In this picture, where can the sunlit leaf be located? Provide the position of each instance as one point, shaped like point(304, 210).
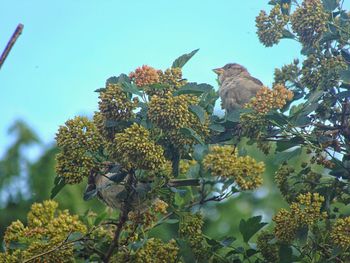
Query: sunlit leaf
point(182, 60)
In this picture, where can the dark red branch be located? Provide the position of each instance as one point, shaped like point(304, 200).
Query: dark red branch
point(10, 44)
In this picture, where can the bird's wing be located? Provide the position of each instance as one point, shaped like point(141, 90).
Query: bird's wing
point(256, 81)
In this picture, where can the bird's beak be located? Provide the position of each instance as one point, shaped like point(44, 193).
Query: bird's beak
point(218, 71)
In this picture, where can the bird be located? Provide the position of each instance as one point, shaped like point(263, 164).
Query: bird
point(110, 188)
point(236, 86)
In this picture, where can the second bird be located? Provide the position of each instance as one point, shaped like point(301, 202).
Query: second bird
point(237, 86)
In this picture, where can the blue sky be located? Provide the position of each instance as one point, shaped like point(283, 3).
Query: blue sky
point(70, 47)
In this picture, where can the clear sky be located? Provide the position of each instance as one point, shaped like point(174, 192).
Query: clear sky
point(70, 47)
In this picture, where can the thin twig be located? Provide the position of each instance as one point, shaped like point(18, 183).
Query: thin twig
point(10, 44)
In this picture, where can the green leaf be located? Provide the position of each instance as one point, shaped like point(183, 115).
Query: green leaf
point(330, 5)
point(285, 156)
point(120, 79)
point(74, 236)
point(217, 127)
point(194, 88)
point(171, 221)
point(59, 183)
point(287, 34)
point(285, 253)
point(346, 55)
point(250, 252)
point(131, 88)
point(17, 245)
point(100, 90)
point(181, 192)
point(284, 145)
point(100, 218)
point(199, 151)
point(234, 116)
point(182, 60)
point(279, 118)
point(250, 227)
point(188, 132)
point(343, 95)
point(199, 112)
point(345, 75)
point(227, 241)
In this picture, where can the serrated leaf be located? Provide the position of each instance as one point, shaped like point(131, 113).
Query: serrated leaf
point(131, 88)
point(199, 112)
point(285, 156)
point(250, 227)
point(59, 184)
point(182, 60)
point(188, 132)
point(194, 88)
point(120, 79)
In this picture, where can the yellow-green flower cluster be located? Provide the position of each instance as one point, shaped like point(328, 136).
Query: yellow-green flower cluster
point(288, 72)
point(191, 228)
point(223, 161)
point(270, 27)
point(185, 165)
point(77, 139)
point(309, 22)
point(47, 228)
point(115, 105)
point(321, 71)
point(172, 77)
point(144, 76)
point(134, 149)
point(160, 206)
point(341, 232)
point(156, 251)
point(171, 112)
point(268, 251)
point(281, 179)
point(253, 124)
point(266, 99)
point(306, 211)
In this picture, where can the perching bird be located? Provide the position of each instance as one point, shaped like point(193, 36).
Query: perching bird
point(237, 86)
point(111, 190)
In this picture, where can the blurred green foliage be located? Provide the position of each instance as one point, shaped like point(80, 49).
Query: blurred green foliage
point(37, 176)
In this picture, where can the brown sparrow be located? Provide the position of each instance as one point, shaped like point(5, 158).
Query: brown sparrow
point(111, 190)
point(237, 86)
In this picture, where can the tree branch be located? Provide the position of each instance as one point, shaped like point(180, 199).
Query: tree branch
point(10, 44)
point(126, 207)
